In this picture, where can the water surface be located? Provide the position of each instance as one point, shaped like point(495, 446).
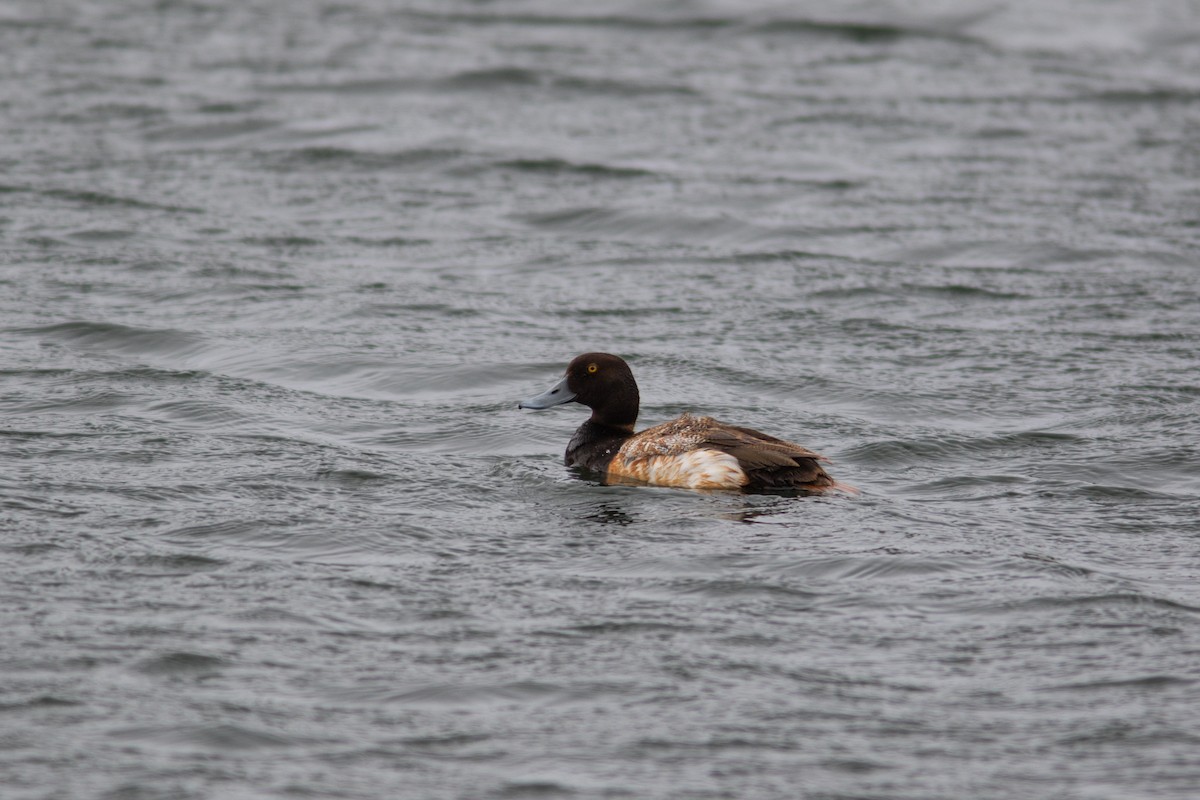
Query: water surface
point(276, 274)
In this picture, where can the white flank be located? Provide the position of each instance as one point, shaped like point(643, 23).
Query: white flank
point(697, 469)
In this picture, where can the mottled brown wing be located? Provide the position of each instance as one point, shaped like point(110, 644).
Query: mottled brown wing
point(679, 436)
point(756, 449)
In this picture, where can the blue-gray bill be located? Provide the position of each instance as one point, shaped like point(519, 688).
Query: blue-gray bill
point(555, 396)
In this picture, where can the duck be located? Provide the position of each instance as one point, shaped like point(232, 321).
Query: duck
point(692, 452)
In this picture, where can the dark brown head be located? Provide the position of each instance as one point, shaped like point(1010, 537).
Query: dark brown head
point(602, 382)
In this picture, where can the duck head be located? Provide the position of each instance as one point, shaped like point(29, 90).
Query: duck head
point(602, 382)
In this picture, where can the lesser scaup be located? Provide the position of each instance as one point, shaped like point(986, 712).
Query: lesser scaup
point(689, 452)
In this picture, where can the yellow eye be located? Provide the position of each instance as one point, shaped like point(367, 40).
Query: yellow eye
point(592, 368)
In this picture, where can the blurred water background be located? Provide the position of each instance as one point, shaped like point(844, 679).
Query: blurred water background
point(275, 274)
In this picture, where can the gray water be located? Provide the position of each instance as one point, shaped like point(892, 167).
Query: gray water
point(275, 275)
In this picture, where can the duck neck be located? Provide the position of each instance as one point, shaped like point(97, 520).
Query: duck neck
point(595, 443)
point(623, 423)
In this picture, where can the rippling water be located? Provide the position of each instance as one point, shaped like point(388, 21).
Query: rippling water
point(275, 275)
